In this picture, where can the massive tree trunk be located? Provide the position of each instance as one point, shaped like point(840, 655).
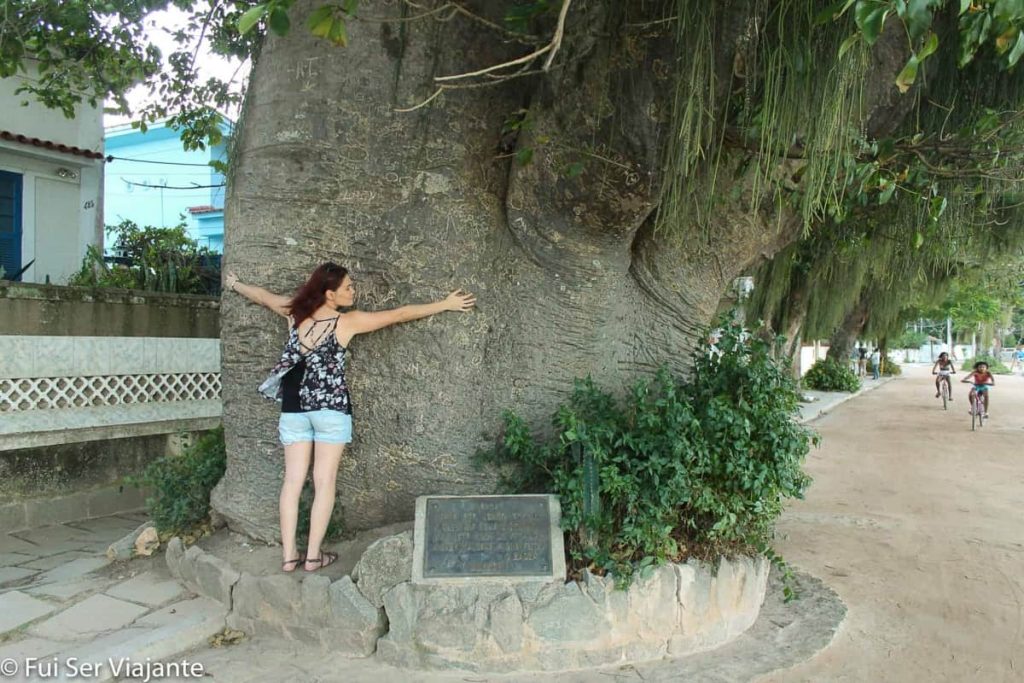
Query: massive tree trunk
point(841, 344)
point(571, 277)
point(796, 315)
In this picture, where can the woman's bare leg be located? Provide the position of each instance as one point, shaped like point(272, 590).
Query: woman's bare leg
point(296, 465)
point(325, 473)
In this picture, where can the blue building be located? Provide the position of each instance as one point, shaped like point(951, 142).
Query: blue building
point(152, 180)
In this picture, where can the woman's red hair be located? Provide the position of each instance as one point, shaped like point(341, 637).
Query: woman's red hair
point(312, 295)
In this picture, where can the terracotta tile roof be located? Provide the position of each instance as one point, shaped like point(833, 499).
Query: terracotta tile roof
point(50, 145)
point(206, 208)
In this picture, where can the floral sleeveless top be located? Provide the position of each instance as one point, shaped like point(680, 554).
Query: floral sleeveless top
point(323, 383)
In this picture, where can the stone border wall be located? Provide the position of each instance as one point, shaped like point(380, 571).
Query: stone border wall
point(31, 309)
point(679, 609)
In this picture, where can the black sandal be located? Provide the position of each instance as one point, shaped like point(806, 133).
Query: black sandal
point(326, 559)
point(293, 563)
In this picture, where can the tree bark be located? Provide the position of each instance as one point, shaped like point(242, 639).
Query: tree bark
point(571, 277)
point(795, 315)
point(842, 341)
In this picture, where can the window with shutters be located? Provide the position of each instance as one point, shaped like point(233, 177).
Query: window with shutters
point(10, 222)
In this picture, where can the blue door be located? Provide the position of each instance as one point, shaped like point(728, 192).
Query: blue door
point(10, 223)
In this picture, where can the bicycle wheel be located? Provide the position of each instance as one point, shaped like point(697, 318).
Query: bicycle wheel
point(975, 416)
point(945, 395)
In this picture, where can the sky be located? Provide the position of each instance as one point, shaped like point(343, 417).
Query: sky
point(159, 29)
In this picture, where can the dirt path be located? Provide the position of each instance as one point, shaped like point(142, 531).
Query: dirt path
point(918, 524)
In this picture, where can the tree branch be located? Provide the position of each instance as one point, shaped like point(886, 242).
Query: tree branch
point(552, 48)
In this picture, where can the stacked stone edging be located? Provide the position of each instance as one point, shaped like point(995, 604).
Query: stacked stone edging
point(678, 609)
point(314, 610)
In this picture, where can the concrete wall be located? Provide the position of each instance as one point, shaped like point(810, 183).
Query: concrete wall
point(808, 357)
point(27, 309)
point(61, 201)
point(94, 384)
point(40, 486)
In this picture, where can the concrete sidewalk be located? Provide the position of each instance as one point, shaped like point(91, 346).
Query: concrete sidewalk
point(61, 597)
point(824, 401)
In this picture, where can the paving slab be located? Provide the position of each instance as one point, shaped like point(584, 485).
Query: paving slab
point(13, 544)
point(138, 516)
point(13, 574)
point(52, 561)
point(114, 524)
point(195, 622)
point(74, 569)
point(18, 609)
point(183, 610)
point(48, 536)
point(12, 559)
point(88, 618)
point(66, 590)
point(19, 650)
point(147, 588)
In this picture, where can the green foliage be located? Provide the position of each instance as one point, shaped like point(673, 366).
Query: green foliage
point(995, 26)
point(520, 15)
point(182, 484)
point(995, 366)
point(159, 260)
point(83, 51)
point(910, 340)
point(890, 368)
point(971, 306)
point(829, 375)
point(691, 467)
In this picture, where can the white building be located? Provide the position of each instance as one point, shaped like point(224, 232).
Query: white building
point(51, 180)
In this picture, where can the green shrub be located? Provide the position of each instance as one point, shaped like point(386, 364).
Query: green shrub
point(158, 260)
point(995, 366)
point(828, 375)
point(890, 368)
point(910, 340)
point(182, 484)
point(694, 467)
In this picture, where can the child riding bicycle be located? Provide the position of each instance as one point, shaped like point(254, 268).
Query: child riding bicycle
point(943, 368)
point(982, 379)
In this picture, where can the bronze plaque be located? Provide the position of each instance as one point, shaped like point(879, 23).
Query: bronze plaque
point(485, 536)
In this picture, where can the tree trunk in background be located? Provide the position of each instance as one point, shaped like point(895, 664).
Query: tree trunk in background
point(570, 275)
point(841, 343)
point(796, 314)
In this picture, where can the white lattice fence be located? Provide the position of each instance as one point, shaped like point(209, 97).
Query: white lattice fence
point(68, 389)
point(52, 393)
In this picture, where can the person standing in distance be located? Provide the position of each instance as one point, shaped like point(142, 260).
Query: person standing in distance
point(309, 381)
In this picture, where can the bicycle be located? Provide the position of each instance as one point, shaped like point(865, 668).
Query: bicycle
point(978, 414)
point(945, 389)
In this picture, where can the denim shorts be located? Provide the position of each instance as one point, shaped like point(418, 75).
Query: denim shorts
point(321, 426)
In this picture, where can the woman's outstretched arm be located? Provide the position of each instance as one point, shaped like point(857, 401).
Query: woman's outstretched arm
point(361, 322)
point(275, 302)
